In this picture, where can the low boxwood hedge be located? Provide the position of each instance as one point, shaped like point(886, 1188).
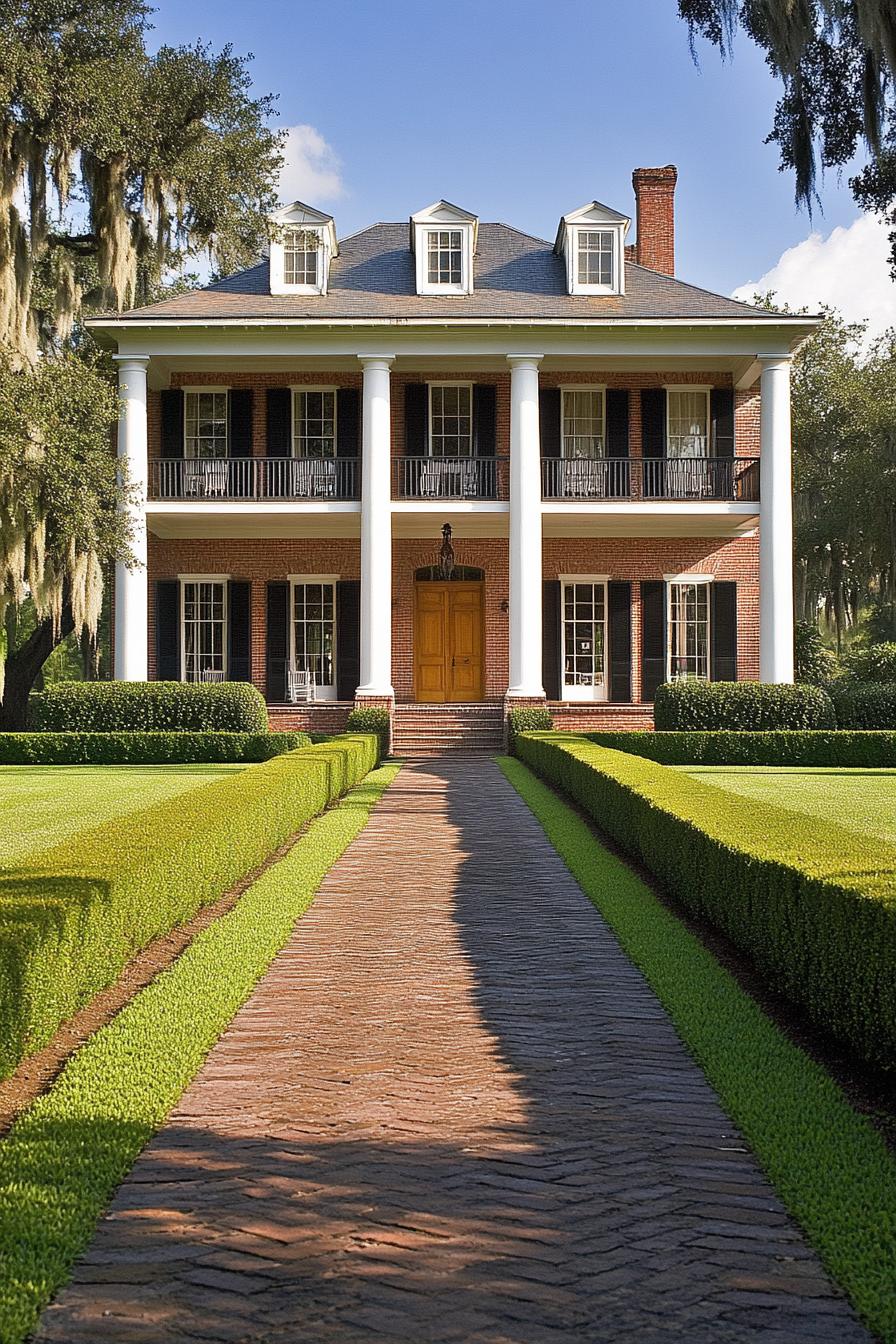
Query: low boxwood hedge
point(173, 748)
point(528, 719)
point(856, 750)
point(148, 706)
point(73, 918)
point(813, 905)
point(750, 706)
point(373, 719)
point(866, 705)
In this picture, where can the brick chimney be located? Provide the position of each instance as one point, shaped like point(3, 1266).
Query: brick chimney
point(655, 217)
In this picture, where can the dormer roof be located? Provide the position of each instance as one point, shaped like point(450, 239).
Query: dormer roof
point(306, 217)
point(591, 214)
point(442, 212)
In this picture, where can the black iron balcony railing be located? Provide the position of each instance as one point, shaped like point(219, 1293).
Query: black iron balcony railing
point(445, 478)
point(731, 479)
point(228, 478)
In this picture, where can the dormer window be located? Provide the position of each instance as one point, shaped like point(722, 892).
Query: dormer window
point(591, 241)
point(303, 242)
point(443, 239)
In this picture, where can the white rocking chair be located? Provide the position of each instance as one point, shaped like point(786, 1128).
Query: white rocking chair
point(207, 674)
point(299, 685)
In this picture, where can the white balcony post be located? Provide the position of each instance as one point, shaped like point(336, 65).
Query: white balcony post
point(525, 529)
point(376, 529)
point(775, 523)
point(131, 583)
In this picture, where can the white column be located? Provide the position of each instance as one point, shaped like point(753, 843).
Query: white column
point(525, 529)
point(775, 523)
point(131, 606)
point(376, 529)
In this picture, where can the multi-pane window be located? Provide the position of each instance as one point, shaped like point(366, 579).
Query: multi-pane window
point(204, 640)
point(300, 257)
point(205, 424)
point(688, 631)
point(450, 419)
point(688, 413)
point(445, 258)
point(314, 422)
point(314, 630)
point(583, 422)
point(595, 257)
point(584, 633)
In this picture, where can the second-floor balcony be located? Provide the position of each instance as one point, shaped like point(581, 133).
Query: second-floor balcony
point(448, 478)
point(731, 479)
point(254, 478)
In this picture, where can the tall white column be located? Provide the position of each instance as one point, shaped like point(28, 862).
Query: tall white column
point(775, 523)
point(525, 529)
point(131, 583)
point(376, 529)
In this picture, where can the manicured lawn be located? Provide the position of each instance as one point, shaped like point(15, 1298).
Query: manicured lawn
point(43, 804)
point(861, 800)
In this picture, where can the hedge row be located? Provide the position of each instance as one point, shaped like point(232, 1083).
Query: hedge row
point(747, 706)
point(812, 905)
point(73, 918)
point(869, 705)
point(172, 748)
point(373, 719)
point(148, 706)
point(848, 749)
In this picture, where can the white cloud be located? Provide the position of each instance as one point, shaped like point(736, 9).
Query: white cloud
point(311, 170)
point(848, 270)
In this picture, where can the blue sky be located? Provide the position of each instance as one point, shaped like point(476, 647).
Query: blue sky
point(521, 111)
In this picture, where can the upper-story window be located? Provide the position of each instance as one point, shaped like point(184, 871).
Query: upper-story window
point(687, 411)
point(314, 422)
point(582, 422)
point(591, 241)
point(205, 423)
point(303, 243)
point(450, 419)
point(596, 256)
point(443, 239)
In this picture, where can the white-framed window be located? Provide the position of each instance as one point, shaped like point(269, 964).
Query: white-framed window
point(596, 258)
point(314, 422)
point(203, 606)
point(205, 422)
point(688, 625)
point(444, 257)
point(312, 638)
point(443, 238)
point(582, 422)
point(583, 615)
point(451, 419)
point(687, 422)
point(301, 257)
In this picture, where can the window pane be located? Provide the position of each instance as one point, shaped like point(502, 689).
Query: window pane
point(314, 421)
point(689, 631)
point(300, 253)
point(584, 625)
point(445, 257)
point(583, 422)
point(688, 423)
point(205, 424)
point(595, 257)
point(451, 421)
point(314, 630)
point(204, 605)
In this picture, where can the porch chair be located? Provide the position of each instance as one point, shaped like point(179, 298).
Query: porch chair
point(207, 674)
point(299, 685)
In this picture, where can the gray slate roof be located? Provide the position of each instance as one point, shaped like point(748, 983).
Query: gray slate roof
point(515, 276)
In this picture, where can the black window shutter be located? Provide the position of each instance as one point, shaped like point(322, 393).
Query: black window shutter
point(653, 421)
point(485, 419)
point(240, 422)
point(549, 421)
point(277, 650)
point(723, 623)
point(168, 630)
point(172, 422)
point(239, 631)
point(619, 603)
point(653, 637)
point(721, 414)
point(279, 422)
point(348, 638)
point(416, 416)
point(550, 638)
point(617, 422)
point(348, 422)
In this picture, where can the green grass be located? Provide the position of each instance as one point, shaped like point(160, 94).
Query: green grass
point(828, 1164)
point(43, 804)
point(63, 1159)
point(861, 800)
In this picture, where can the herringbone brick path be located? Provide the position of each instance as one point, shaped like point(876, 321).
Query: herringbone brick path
point(453, 1111)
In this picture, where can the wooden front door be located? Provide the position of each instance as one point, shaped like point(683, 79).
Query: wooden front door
point(448, 642)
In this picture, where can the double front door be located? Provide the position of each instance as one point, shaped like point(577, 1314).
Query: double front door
point(448, 642)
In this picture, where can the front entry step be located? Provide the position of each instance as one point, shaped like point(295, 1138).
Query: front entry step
point(431, 730)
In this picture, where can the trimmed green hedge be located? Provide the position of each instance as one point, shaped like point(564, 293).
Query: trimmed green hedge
point(866, 705)
point(174, 748)
point(877, 663)
point(528, 719)
point(813, 905)
point(836, 748)
point(373, 719)
point(750, 706)
point(148, 706)
point(73, 918)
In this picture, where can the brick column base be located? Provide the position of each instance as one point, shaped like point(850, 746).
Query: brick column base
point(386, 702)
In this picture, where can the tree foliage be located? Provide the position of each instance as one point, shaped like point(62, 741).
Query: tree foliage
point(837, 62)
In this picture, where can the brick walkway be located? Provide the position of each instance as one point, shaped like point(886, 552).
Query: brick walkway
point(452, 1111)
